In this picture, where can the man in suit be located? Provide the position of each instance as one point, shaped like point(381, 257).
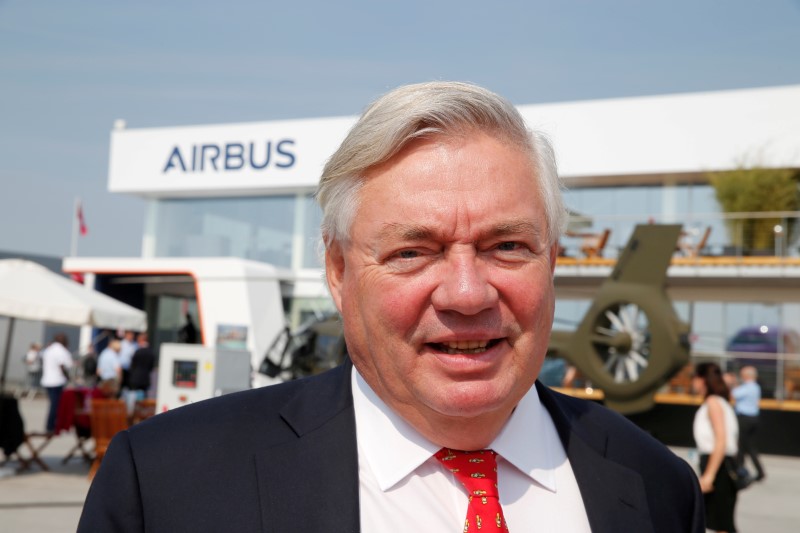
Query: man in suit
point(441, 215)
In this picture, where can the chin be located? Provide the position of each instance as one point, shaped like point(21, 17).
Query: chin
point(469, 401)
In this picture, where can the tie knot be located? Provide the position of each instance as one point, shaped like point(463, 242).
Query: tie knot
point(477, 470)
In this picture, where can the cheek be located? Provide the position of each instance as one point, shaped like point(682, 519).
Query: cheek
point(396, 303)
point(528, 299)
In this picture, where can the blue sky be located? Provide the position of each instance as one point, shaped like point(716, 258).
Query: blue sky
point(69, 69)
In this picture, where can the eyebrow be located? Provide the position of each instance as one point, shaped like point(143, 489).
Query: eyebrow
point(415, 232)
point(406, 232)
point(516, 227)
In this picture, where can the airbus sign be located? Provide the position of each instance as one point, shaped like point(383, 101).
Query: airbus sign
point(226, 160)
point(232, 156)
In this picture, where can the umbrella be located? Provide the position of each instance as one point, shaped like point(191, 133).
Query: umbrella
point(30, 291)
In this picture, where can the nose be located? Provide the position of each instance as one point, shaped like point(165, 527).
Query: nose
point(464, 286)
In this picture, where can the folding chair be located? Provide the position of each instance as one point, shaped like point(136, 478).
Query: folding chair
point(108, 417)
point(33, 451)
point(692, 249)
point(593, 245)
point(13, 437)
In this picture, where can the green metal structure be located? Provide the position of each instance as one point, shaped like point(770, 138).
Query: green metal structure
point(631, 341)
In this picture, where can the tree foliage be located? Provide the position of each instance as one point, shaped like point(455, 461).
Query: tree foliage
point(757, 190)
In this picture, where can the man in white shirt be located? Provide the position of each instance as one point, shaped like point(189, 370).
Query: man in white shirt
point(56, 362)
point(441, 216)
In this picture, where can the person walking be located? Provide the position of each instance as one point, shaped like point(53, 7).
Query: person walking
point(33, 364)
point(748, 396)
point(56, 362)
point(716, 437)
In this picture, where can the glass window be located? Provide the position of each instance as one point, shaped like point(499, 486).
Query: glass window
point(619, 209)
point(258, 228)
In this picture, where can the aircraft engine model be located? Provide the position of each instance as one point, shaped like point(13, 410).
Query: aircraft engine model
point(631, 341)
point(628, 344)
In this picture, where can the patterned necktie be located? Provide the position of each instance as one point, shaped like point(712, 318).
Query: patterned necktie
point(477, 471)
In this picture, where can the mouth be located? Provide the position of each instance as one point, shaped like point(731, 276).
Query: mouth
point(464, 347)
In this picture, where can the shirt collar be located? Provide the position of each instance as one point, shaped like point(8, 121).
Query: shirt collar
point(530, 442)
point(394, 449)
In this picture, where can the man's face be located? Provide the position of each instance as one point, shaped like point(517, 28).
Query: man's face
point(445, 287)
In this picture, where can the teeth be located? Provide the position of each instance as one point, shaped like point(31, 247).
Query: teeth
point(468, 347)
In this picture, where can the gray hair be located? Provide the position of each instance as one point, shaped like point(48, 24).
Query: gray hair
point(422, 110)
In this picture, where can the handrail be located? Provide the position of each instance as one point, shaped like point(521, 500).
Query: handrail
point(730, 260)
point(716, 234)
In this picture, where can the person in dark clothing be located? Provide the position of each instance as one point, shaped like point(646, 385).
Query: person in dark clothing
point(748, 396)
point(188, 333)
point(142, 363)
point(89, 366)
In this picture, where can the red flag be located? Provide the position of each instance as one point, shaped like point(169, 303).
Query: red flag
point(81, 221)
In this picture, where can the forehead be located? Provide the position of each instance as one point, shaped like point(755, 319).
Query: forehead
point(444, 160)
point(474, 179)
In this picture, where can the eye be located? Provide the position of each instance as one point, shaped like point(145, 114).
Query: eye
point(407, 254)
point(512, 251)
point(409, 259)
point(509, 246)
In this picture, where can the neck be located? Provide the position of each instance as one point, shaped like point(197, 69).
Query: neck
point(459, 433)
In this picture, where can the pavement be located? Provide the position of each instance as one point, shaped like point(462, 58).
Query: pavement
point(51, 502)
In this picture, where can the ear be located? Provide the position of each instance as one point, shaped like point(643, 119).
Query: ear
point(334, 272)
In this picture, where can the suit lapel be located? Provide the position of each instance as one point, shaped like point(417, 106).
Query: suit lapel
point(613, 495)
point(309, 482)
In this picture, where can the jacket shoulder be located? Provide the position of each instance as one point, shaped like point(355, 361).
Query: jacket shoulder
point(670, 485)
point(618, 437)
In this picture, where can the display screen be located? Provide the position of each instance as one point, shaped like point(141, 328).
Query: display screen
point(184, 374)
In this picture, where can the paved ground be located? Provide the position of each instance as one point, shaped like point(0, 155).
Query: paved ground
point(42, 502)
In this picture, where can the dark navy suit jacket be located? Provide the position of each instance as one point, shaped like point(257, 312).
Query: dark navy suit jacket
point(283, 459)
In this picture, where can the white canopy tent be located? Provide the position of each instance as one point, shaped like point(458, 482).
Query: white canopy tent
point(30, 291)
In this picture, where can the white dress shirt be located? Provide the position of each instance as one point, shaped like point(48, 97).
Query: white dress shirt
point(403, 488)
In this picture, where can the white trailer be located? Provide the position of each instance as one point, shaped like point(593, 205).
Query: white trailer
point(237, 303)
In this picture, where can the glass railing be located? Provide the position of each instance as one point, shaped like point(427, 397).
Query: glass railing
point(767, 234)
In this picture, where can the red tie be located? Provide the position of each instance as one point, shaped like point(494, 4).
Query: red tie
point(477, 471)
